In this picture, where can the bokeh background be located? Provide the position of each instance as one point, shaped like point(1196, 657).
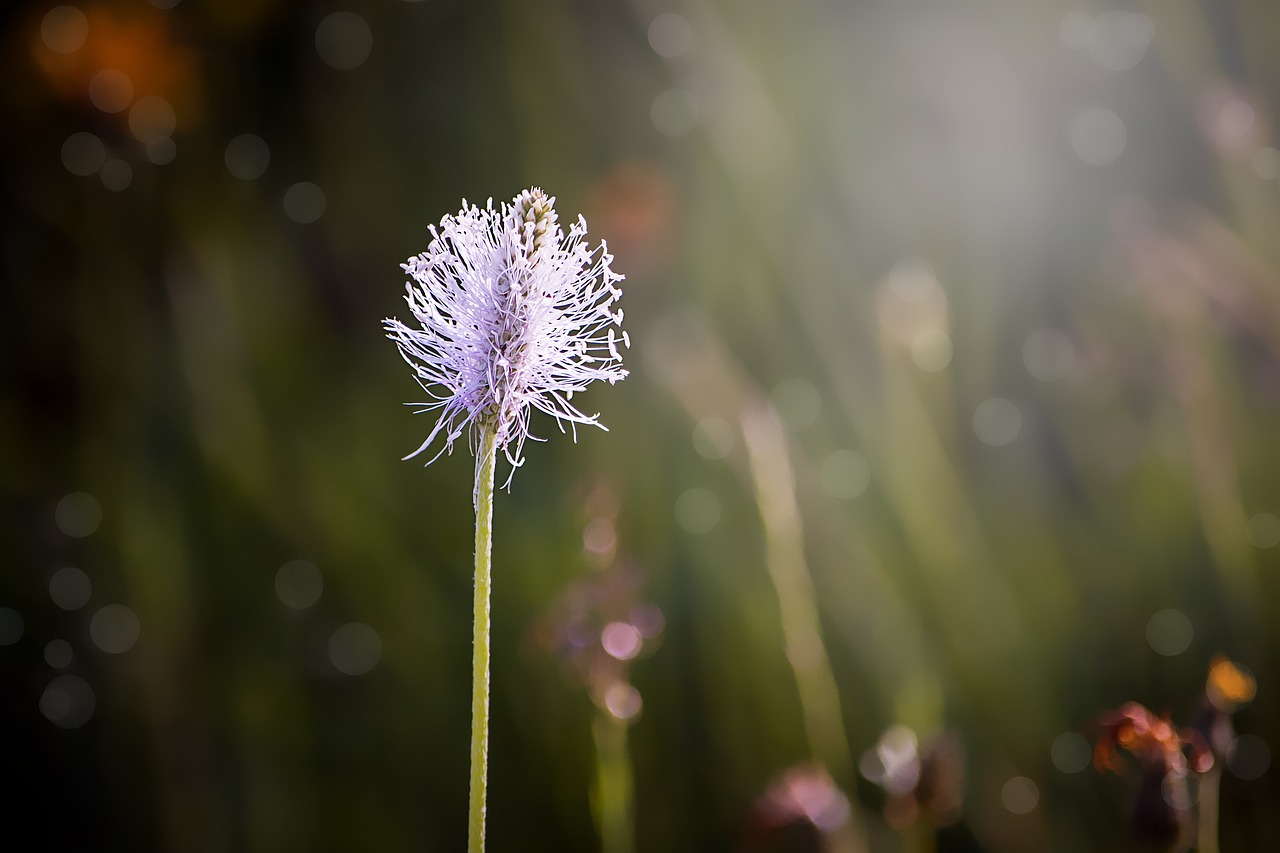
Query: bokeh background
point(953, 422)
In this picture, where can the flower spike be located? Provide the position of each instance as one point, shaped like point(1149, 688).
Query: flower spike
point(512, 314)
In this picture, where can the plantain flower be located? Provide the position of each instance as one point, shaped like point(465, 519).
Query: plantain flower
point(512, 314)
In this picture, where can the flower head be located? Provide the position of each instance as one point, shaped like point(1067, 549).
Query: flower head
point(1161, 812)
point(1229, 687)
point(1152, 739)
point(512, 314)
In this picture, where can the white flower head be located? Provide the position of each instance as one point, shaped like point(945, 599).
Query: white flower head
point(512, 314)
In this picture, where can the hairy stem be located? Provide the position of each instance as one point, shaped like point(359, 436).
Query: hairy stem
point(480, 651)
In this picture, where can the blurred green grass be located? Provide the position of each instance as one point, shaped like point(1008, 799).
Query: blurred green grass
point(839, 193)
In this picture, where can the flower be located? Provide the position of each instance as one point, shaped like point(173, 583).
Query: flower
point(802, 810)
point(514, 314)
point(1229, 687)
point(924, 782)
point(1152, 739)
point(1161, 812)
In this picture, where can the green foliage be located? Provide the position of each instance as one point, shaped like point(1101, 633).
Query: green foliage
point(885, 201)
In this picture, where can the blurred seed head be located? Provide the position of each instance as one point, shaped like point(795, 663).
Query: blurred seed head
point(1168, 761)
point(923, 783)
point(797, 812)
point(1152, 740)
point(599, 624)
point(1229, 686)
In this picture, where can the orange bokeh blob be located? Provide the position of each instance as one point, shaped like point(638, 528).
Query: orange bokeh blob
point(137, 42)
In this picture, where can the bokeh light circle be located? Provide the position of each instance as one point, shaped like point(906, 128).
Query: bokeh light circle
point(58, 654)
point(111, 90)
point(344, 41)
point(116, 175)
point(162, 152)
point(1263, 530)
point(845, 474)
point(355, 648)
point(299, 584)
point(1120, 39)
point(1266, 163)
point(114, 629)
point(70, 588)
point(11, 626)
point(797, 402)
point(648, 620)
point(152, 119)
point(1176, 792)
point(64, 29)
point(1169, 632)
point(621, 640)
point(1236, 117)
point(247, 156)
point(1077, 30)
point(622, 700)
point(83, 154)
point(674, 112)
point(68, 701)
point(1231, 685)
point(670, 35)
point(1098, 136)
point(1020, 795)
point(997, 422)
point(913, 280)
point(78, 514)
point(1048, 354)
point(599, 536)
point(304, 202)
point(1248, 757)
point(697, 510)
point(1070, 752)
point(894, 763)
point(713, 438)
point(931, 350)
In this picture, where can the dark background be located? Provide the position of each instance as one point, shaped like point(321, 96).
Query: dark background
point(1007, 273)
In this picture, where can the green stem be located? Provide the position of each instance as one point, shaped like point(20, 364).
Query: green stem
point(1207, 828)
point(613, 784)
point(480, 651)
point(922, 838)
